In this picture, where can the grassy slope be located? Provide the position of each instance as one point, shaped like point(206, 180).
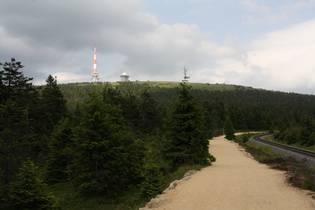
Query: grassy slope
point(312, 148)
point(69, 199)
point(164, 84)
point(75, 92)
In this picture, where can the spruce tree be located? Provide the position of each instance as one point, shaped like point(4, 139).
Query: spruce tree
point(18, 105)
point(53, 103)
point(101, 149)
point(14, 85)
point(60, 154)
point(229, 129)
point(150, 121)
point(14, 146)
point(186, 142)
point(28, 191)
point(152, 172)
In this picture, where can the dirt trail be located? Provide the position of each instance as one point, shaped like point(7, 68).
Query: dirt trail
point(234, 181)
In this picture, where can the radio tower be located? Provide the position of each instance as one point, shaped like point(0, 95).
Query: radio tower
point(95, 77)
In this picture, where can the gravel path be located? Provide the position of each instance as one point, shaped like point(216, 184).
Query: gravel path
point(234, 181)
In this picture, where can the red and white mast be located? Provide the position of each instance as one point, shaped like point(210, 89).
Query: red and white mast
point(95, 70)
point(95, 77)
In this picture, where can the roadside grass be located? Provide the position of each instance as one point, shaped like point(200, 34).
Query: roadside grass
point(69, 199)
point(178, 174)
point(312, 148)
point(298, 174)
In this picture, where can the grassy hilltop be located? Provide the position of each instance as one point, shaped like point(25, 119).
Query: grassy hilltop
point(76, 92)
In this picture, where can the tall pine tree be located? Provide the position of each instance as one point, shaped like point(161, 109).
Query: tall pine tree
point(17, 134)
point(53, 103)
point(101, 149)
point(229, 129)
point(150, 121)
point(60, 154)
point(14, 85)
point(28, 191)
point(185, 132)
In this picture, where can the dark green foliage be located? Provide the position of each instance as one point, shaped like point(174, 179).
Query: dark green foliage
point(311, 140)
point(113, 138)
point(53, 104)
point(154, 165)
point(306, 131)
point(14, 84)
point(28, 191)
point(229, 129)
point(291, 137)
point(130, 111)
point(13, 141)
point(152, 184)
point(304, 134)
point(21, 136)
point(150, 121)
point(135, 163)
point(112, 96)
point(101, 149)
point(60, 152)
point(128, 105)
point(245, 137)
point(186, 142)
point(238, 116)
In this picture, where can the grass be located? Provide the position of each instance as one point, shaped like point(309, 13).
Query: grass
point(311, 148)
point(69, 199)
point(167, 84)
point(178, 174)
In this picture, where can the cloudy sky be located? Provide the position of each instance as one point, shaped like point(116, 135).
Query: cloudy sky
point(259, 43)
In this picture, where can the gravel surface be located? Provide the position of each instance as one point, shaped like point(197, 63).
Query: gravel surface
point(234, 181)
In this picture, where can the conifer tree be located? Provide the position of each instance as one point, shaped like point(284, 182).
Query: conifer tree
point(53, 103)
point(17, 107)
point(185, 132)
point(14, 146)
point(101, 149)
point(60, 154)
point(28, 191)
point(229, 129)
point(149, 114)
point(152, 172)
point(14, 85)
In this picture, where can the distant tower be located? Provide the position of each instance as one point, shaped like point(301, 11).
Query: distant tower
point(95, 77)
point(185, 75)
point(124, 77)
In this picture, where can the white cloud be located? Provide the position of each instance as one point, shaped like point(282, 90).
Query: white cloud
point(249, 4)
point(280, 11)
point(285, 58)
point(57, 38)
point(65, 77)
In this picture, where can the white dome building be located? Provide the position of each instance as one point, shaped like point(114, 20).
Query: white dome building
point(124, 77)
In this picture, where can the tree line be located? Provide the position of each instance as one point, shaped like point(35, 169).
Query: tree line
point(102, 138)
point(111, 139)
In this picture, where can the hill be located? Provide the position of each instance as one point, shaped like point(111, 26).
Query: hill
point(248, 108)
point(94, 139)
point(75, 92)
point(275, 104)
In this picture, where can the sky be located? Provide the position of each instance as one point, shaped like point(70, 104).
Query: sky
point(264, 44)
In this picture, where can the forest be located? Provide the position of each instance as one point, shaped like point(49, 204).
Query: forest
point(105, 140)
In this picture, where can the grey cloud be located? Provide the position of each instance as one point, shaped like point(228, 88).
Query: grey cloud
point(58, 36)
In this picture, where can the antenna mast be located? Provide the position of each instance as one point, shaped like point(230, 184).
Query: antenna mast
point(95, 77)
point(185, 75)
